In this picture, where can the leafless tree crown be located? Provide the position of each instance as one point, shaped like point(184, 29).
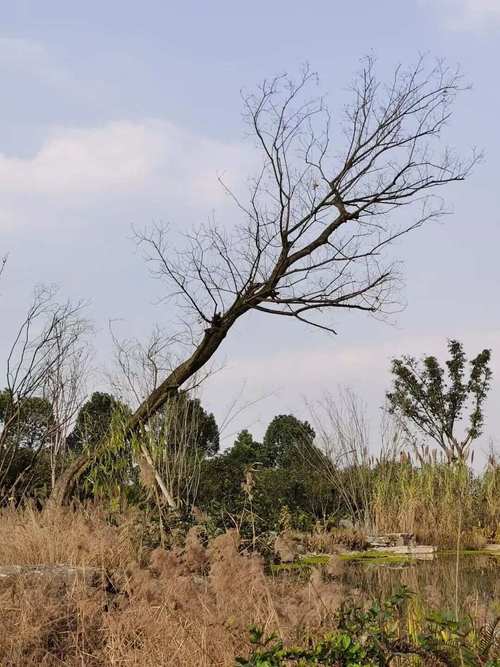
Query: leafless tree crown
point(48, 360)
point(322, 208)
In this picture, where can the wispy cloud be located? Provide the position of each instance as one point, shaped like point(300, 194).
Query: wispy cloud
point(151, 159)
point(467, 14)
point(28, 58)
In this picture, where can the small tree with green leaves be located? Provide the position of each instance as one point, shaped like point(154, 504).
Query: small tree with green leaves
point(443, 404)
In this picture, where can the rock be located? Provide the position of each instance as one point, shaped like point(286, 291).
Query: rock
point(411, 550)
point(391, 540)
point(494, 548)
point(58, 573)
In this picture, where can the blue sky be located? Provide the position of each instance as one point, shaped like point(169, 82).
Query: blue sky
point(122, 113)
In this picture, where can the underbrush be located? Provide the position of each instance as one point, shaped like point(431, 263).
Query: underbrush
point(378, 637)
point(183, 606)
point(85, 538)
point(440, 504)
point(191, 604)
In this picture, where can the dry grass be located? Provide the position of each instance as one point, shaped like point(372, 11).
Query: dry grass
point(81, 538)
point(189, 606)
point(440, 504)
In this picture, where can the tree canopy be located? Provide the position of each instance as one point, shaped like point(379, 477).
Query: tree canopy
point(94, 420)
point(286, 439)
point(431, 400)
point(28, 422)
point(245, 450)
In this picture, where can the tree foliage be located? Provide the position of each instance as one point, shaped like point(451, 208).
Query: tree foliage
point(26, 427)
point(245, 450)
point(94, 420)
point(432, 400)
point(286, 438)
point(201, 426)
point(31, 420)
point(281, 477)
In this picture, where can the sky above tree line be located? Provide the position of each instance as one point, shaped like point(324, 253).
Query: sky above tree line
point(118, 114)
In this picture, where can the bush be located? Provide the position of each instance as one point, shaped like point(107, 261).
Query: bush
point(376, 636)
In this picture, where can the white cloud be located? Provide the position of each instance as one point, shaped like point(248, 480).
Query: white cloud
point(468, 14)
point(82, 161)
point(151, 157)
point(121, 157)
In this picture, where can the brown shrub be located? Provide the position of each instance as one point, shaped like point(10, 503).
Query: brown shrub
point(189, 606)
point(59, 535)
point(329, 541)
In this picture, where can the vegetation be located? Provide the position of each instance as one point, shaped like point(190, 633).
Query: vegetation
point(286, 482)
point(423, 400)
point(193, 603)
point(375, 637)
point(181, 547)
point(416, 499)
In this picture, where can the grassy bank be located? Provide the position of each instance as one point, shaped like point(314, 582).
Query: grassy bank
point(191, 604)
point(440, 504)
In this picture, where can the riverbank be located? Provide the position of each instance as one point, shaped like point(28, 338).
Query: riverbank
point(192, 604)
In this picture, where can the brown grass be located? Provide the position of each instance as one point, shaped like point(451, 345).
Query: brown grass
point(440, 504)
point(189, 606)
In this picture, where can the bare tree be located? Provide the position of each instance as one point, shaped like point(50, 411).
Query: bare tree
point(342, 453)
point(342, 429)
point(3, 262)
point(139, 367)
point(321, 212)
point(45, 343)
point(64, 384)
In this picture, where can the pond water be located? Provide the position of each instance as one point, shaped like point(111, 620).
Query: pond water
point(469, 584)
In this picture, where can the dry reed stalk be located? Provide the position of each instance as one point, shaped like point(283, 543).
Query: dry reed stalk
point(187, 606)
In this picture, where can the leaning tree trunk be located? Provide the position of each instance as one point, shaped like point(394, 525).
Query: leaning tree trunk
point(65, 485)
point(213, 337)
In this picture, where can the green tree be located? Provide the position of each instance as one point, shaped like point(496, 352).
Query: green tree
point(94, 420)
point(432, 400)
point(203, 429)
point(286, 439)
point(245, 450)
point(28, 422)
point(26, 426)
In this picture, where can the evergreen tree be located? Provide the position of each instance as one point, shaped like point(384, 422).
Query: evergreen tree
point(94, 420)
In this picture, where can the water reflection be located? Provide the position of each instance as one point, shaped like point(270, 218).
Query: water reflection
point(469, 584)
